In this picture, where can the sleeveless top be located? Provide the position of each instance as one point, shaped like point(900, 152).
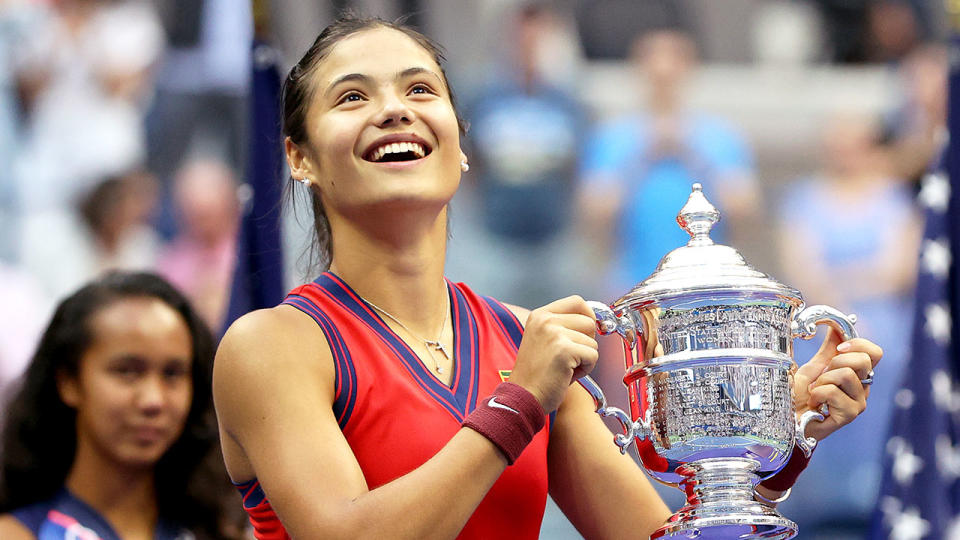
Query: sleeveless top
point(396, 414)
point(65, 517)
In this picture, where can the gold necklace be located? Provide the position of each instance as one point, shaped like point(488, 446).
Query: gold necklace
point(435, 344)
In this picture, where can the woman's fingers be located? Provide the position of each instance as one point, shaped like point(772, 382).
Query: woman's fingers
point(587, 356)
point(846, 380)
point(571, 304)
point(577, 322)
point(859, 362)
point(871, 349)
point(843, 410)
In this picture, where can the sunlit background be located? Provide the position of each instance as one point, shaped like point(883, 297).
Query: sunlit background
point(123, 144)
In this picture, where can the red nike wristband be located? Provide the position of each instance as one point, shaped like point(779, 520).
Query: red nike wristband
point(787, 476)
point(509, 418)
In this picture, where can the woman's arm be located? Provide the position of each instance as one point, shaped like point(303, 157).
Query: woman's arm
point(602, 492)
point(12, 529)
point(273, 390)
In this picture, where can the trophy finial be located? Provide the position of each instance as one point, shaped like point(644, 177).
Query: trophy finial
point(697, 217)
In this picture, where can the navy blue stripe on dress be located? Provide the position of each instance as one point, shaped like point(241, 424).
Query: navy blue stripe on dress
point(345, 376)
point(341, 293)
point(467, 345)
point(251, 492)
point(506, 320)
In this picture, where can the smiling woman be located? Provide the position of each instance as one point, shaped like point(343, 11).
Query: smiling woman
point(111, 429)
point(382, 400)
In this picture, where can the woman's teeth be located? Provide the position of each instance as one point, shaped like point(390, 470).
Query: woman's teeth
point(398, 148)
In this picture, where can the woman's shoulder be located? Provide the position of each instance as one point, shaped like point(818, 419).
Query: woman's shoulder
point(12, 528)
point(521, 313)
point(282, 325)
point(262, 344)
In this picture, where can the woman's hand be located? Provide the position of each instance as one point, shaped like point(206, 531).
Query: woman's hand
point(833, 377)
point(558, 347)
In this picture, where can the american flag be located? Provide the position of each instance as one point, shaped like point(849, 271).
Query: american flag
point(920, 492)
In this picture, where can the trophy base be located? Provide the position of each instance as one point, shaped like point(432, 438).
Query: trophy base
point(720, 504)
point(727, 526)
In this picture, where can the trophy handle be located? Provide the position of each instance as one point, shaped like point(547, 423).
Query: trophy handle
point(630, 428)
point(804, 326)
point(607, 323)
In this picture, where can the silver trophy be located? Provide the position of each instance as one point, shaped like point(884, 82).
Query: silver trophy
point(708, 342)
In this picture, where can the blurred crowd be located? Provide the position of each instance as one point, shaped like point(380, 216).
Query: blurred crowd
point(122, 134)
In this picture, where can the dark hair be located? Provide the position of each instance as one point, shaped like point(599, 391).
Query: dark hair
point(298, 89)
point(39, 436)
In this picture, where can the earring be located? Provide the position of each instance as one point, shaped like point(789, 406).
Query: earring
point(304, 181)
point(464, 166)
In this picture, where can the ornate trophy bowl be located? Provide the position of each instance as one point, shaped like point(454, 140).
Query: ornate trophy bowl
point(708, 345)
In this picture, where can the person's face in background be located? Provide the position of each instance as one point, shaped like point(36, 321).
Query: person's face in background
point(926, 74)
point(206, 199)
point(118, 206)
point(530, 29)
point(850, 145)
point(664, 58)
point(133, 386)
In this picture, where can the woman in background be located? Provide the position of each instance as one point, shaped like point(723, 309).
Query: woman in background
point(111, 434)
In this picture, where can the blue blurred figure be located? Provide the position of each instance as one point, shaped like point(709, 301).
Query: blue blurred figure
point(849, 238)
point(525, 135)
point(638, 169)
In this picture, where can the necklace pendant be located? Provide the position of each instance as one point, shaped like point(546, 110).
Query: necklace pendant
point(437, 346)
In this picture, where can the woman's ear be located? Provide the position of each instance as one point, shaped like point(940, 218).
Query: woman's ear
point(69, 388)
point(301, 167)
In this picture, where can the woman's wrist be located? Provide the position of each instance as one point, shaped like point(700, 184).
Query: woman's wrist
point(786, 477)
point(510, 417)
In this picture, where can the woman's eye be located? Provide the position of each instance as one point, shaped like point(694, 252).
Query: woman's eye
point(421, 89)
point(127, 370)
point(174, 372)
point(352, 96)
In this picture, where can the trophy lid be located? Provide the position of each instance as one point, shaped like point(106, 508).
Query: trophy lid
point(701, 265)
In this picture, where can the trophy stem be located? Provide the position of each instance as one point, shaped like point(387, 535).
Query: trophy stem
point(720, 504)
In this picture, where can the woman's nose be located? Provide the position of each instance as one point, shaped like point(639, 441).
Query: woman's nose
point(151, 395)
point(395, 111)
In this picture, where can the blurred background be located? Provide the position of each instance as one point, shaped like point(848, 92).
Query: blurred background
point(124, 144)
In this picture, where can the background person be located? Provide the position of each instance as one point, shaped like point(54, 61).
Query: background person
point(637, 169)
point(200, 259)
point(853, 219)
point(111, 430)
point(526, 132)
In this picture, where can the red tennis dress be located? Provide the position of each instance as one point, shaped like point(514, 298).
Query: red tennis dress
point(396, 414)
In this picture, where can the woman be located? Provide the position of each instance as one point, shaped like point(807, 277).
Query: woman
point(111, 435)
point(355, 408)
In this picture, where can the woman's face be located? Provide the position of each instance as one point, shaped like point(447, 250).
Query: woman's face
point(133, 387)
point(381, 125)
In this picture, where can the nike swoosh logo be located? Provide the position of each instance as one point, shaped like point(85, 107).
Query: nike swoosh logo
point(493, 403)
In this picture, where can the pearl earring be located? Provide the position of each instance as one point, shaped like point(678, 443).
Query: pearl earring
point(304, 181)
point(464, 166)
